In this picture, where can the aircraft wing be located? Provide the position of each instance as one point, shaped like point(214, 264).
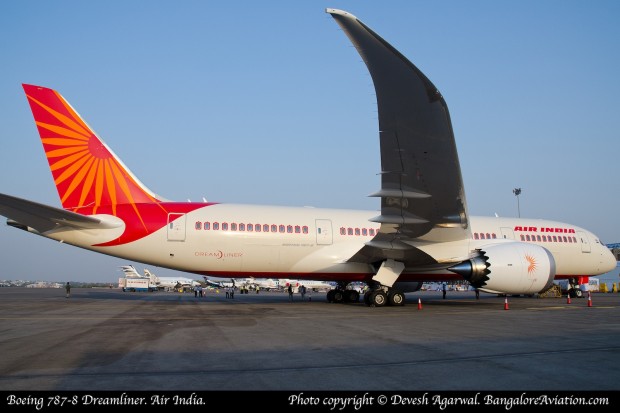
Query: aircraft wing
point(422, 195)
point(43, 218)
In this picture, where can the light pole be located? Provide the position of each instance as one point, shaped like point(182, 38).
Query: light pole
point(517, 192)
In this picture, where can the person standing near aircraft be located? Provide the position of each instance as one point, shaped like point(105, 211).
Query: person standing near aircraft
point(302, 291)
point(443, 288)
point(68, 289)
point(290, 292)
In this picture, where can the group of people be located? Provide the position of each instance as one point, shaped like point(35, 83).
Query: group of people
point(198, 291)
point(444, 289)
point(302, 292)
point(230, 292)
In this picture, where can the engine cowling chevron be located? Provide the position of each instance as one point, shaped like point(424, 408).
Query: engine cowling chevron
point(510, 268)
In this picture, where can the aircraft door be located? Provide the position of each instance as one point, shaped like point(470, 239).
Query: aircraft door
point(176, 227)
point(507, 233)
point(324, 232)
point(583, 239)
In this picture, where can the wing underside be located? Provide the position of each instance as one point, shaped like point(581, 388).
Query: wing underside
point(422, 195)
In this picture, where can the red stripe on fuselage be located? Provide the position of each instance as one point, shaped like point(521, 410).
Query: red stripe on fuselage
point(154, 217)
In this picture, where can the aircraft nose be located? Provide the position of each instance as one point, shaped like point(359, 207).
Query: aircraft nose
point(608, 261)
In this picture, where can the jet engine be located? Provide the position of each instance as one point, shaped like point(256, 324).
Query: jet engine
point(509, 268)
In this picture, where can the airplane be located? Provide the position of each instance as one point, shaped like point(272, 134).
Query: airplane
point(313, 285)
point(268, 284)
point(130, 272)
point(170, 282)
point(423, 232)
point(219, 282)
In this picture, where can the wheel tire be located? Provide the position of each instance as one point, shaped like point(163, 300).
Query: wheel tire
point(378, 299)
point(338, 296)
point(330, 296)
point(396, 298)
point(351, 296)
point(578, 293)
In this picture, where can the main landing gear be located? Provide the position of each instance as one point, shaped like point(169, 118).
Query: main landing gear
point(375, 297)
point(341, 295)
point(380, 297)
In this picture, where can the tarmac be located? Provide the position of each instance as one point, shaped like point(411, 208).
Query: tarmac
point(106, 339)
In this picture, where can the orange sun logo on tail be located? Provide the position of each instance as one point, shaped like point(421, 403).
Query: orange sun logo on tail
point(88, 176)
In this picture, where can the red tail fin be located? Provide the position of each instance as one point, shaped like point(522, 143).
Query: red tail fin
point(86, 172)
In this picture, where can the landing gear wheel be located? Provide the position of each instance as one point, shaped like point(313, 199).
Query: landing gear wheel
point(578, 293)
point(396, 298)
point(338, 296)
point(330, 296)
point(378, 298)
point(351, 296)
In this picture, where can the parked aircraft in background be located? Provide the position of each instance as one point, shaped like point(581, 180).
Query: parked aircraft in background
point(423, 232)
point(217, 282)
point(251, 282)
point(130, 272)
point(309, 284)
point(171, 282)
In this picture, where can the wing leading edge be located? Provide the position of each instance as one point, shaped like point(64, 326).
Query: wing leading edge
point(422, 194)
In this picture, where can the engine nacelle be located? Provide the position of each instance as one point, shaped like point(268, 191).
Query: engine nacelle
point(509, 268)
point(407, 286)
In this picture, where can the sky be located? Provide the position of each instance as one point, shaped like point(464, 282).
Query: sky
point(268, 103)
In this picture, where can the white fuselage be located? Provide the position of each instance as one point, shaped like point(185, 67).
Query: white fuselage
point(229, 240)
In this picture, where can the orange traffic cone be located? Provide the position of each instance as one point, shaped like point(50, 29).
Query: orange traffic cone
point(506, 303)
point(419, 303)
point(589, 299)
point(568, 298)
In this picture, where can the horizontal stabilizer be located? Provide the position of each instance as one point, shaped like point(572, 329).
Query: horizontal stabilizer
point(43, 218)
